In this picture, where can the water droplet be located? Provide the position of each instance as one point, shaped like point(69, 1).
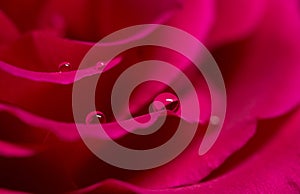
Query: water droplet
point(95, 117)
point(64, 67)
point(167, 100)
point(214, 120)
point(100, 65)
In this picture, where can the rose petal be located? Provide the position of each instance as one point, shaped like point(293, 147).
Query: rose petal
point(269, 158)
point(268, 163)
point(195, 17)
point(235, 20)
point(25, 16)
point(265, 85)
point(110, 186)
point(10, 33)
point(42, 51)
point(11, 150)
point(6, 191)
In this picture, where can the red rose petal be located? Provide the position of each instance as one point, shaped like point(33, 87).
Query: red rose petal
point(10, 32)
point(235, 20)
point(266, 79)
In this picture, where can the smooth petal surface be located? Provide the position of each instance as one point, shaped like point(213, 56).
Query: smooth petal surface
point(256, 45)
point(235, 20)
point(265, 81)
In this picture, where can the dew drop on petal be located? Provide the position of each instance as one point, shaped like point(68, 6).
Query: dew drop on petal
point(64, 67)
point(100, 65)
point(214, 120)
point(95, 117)
point(168, 100)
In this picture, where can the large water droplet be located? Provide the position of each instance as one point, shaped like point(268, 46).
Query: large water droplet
point(64, 67)
point(167, 100)
point(95, 117)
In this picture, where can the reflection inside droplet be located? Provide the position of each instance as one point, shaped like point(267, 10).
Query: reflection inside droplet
point(100, 65)
point(64, 67)
point(167, 100)
point(95, 117)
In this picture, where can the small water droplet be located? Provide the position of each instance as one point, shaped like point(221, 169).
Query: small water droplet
point(214, 120)
point(167, 100)
point(95, 117)
point(100, 65)
point(64, 67)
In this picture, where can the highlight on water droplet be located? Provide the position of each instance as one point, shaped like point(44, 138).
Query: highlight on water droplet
point(100, 65)
point(64, 67)
point(95, 117)
point(167, 100)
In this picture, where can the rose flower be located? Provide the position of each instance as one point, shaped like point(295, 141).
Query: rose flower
point(255, 43)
